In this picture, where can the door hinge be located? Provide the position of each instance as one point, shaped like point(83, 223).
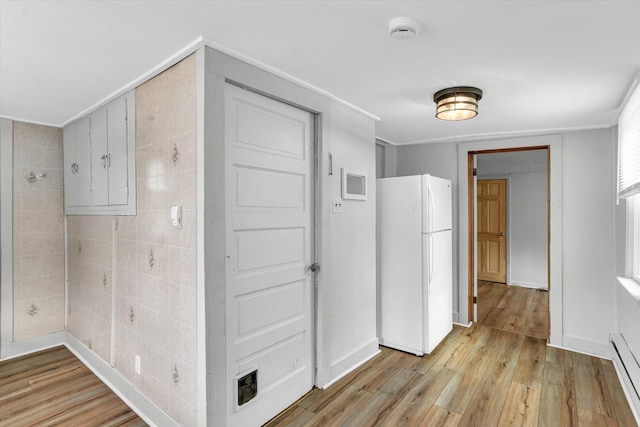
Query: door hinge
point(475, 171)
point(475, 300)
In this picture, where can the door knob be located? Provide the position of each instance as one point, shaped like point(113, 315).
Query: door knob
point(315, 267)
point(501, 234)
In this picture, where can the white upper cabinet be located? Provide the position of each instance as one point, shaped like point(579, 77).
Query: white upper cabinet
point(118, 149)
point(99, 156)
point(77, 164)
point(99, 152)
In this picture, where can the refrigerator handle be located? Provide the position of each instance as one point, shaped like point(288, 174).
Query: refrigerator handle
point(430, 249)
point(430, 210)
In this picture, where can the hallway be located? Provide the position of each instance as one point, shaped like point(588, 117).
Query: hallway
point(513, 309)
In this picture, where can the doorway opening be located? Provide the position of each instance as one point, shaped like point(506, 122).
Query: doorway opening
point(509, 239)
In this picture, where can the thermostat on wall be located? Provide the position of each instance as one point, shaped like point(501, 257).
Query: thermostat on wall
point(354, 184)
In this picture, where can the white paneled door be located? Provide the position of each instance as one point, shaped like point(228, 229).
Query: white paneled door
point(269, 246)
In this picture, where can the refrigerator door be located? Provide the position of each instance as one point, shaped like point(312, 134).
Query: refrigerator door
point(399, 245)
point(436, 204)
point(438, 279)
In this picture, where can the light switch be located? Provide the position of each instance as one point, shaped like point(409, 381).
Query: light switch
point(337, 205)
point(176, 216)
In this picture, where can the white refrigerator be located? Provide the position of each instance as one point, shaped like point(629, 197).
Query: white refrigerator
point(414, 257)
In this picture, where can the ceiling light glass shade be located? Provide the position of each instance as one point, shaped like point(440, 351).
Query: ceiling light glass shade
point(457, 103)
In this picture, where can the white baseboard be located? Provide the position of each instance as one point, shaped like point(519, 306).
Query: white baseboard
point(595, 349)
point(350, 362)
point(463, 325)
point(628, 372)
point(532, 285)
point(401, 348)
point(140, 404)
point(16, 349)
point(584, 346)
point(145, 408)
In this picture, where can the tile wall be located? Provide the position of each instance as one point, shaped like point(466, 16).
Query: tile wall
point(38, 231)
point(154, 264)
point(90, 263)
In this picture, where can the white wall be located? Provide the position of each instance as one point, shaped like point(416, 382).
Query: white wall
point(527, 221)
point(345, 243)
point(439, 159)
point(386, 159)
point(351, 308)
point(588, 239)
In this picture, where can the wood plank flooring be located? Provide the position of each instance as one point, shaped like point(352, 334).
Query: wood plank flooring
point(513, 309)
point(498, 373)
point(54, 388)
point(486, 375)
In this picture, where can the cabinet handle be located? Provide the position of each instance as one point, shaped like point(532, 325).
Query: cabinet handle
point(74, 168)
point(106, 160)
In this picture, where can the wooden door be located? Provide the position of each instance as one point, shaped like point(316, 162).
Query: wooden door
point(492, 230)
point(269, 162)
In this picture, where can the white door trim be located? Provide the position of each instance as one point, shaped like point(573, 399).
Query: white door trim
point(555, 222)
point(6, 229)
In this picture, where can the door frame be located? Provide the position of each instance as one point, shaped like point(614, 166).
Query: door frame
point(466, 151)
point(472, 213)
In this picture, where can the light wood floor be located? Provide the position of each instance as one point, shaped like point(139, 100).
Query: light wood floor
point(478, 377)
point(513, 309)
point(53, 388)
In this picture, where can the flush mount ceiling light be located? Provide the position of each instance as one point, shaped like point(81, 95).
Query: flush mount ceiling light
point(404, 27)
point(457, 103)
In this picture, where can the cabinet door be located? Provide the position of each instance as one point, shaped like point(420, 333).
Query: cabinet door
point(99, 158)
point(118, 146)
point(82, 186)
point(77, 164)
point(69, 152)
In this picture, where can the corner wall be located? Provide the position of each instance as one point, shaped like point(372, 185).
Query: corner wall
point(150, 265)
point(38, 232)
point(527, 225)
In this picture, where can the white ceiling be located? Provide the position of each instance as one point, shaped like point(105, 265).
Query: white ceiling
point(543, 65)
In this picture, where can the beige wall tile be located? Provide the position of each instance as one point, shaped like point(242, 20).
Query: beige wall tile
point(38, 231)
point(161, 294)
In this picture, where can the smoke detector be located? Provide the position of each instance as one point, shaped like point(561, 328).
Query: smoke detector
point(404, 27)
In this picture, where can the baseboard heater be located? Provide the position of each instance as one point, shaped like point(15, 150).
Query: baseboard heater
point(628, 367)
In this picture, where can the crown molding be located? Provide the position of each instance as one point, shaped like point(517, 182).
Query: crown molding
point(188, 50)
point(503, 135)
